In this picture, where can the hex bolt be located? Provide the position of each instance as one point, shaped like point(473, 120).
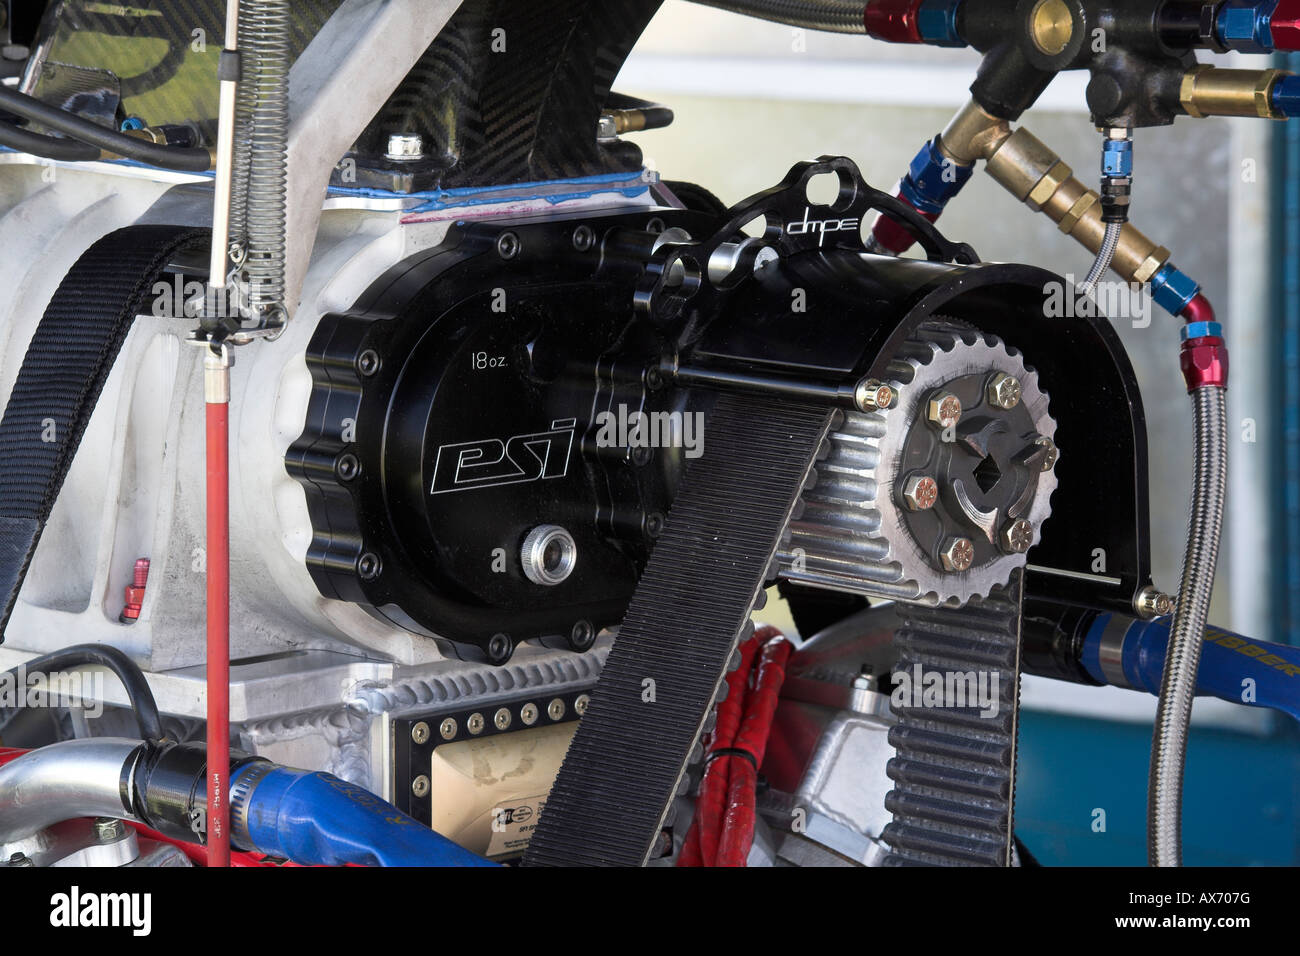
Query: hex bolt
point(420, 733)
point(943, 409)
point(528, 714)
point(474, 723)
point(958, 554)
point(581, 704)
point(109, 829)
point(1004, 391)
point(872, 395)
point(420, 786)
point(1151, 602)
point(1053, 453)
point(404, 147)
point(555, 709)
point(920, 492)
point(448, 729)
point(1017, 537)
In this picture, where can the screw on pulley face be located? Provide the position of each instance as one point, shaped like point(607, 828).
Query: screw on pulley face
point(475, 723)
point(920, 492)
point(1017, 537)
point(528, 714)
point(958, 554)
point(420, 732)
point(555, 709)
point(1004, 391)
point(448, 729)
point(501, 719)
point(943, 409)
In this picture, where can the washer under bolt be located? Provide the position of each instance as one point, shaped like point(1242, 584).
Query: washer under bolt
point(943, 409)
point(474, 724)
point(1017, 537)
point(448, 729)
point(958, 554)
point(420, 733)
point(920, 492)
point(1151, 602)
point(872, 395)
point(1004, 391)
point(420, 786)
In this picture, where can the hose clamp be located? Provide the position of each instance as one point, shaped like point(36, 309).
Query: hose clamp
point(244, 782)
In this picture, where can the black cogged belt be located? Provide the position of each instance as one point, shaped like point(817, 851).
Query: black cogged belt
point(954, 768)
point(698, 590)
point(67, 362)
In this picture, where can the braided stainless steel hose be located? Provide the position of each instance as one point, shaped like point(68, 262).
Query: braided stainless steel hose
point(265, 42)
point(1178, 685)
point(1105, 256)
point(830, 16)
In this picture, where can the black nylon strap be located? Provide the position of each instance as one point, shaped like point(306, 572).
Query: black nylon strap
point(62, 375)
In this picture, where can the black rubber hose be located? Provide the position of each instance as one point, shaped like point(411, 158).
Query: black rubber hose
point(127, 671)
point(184, 158)
point(47, 147)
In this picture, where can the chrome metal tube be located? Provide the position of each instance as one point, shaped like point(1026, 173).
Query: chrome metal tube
point(75, 778)
point(1178, 683)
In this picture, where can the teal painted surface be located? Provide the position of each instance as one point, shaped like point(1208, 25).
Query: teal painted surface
point(1241, 805)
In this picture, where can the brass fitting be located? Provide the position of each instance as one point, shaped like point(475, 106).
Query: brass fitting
point(972, 134)
point(1035, 175)
point(1209, 91)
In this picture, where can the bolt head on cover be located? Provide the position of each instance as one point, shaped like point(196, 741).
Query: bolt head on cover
point(920, 493)
point(944, 409)
point(1017, 537)
point(958, 554)
point(1004, 391)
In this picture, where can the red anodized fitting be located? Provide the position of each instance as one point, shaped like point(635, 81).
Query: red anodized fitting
point(893, 237)
point(135, 591)
point(1205, 362)
point(1285, 23)
point(893, 21)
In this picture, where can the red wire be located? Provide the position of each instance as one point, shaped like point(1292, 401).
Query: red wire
point(702, 838)
point(760, 709)
point(218, 620)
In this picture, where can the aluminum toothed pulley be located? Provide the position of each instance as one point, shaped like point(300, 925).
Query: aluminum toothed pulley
point(937, 499)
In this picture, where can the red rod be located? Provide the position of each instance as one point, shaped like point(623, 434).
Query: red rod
point(217, 392)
